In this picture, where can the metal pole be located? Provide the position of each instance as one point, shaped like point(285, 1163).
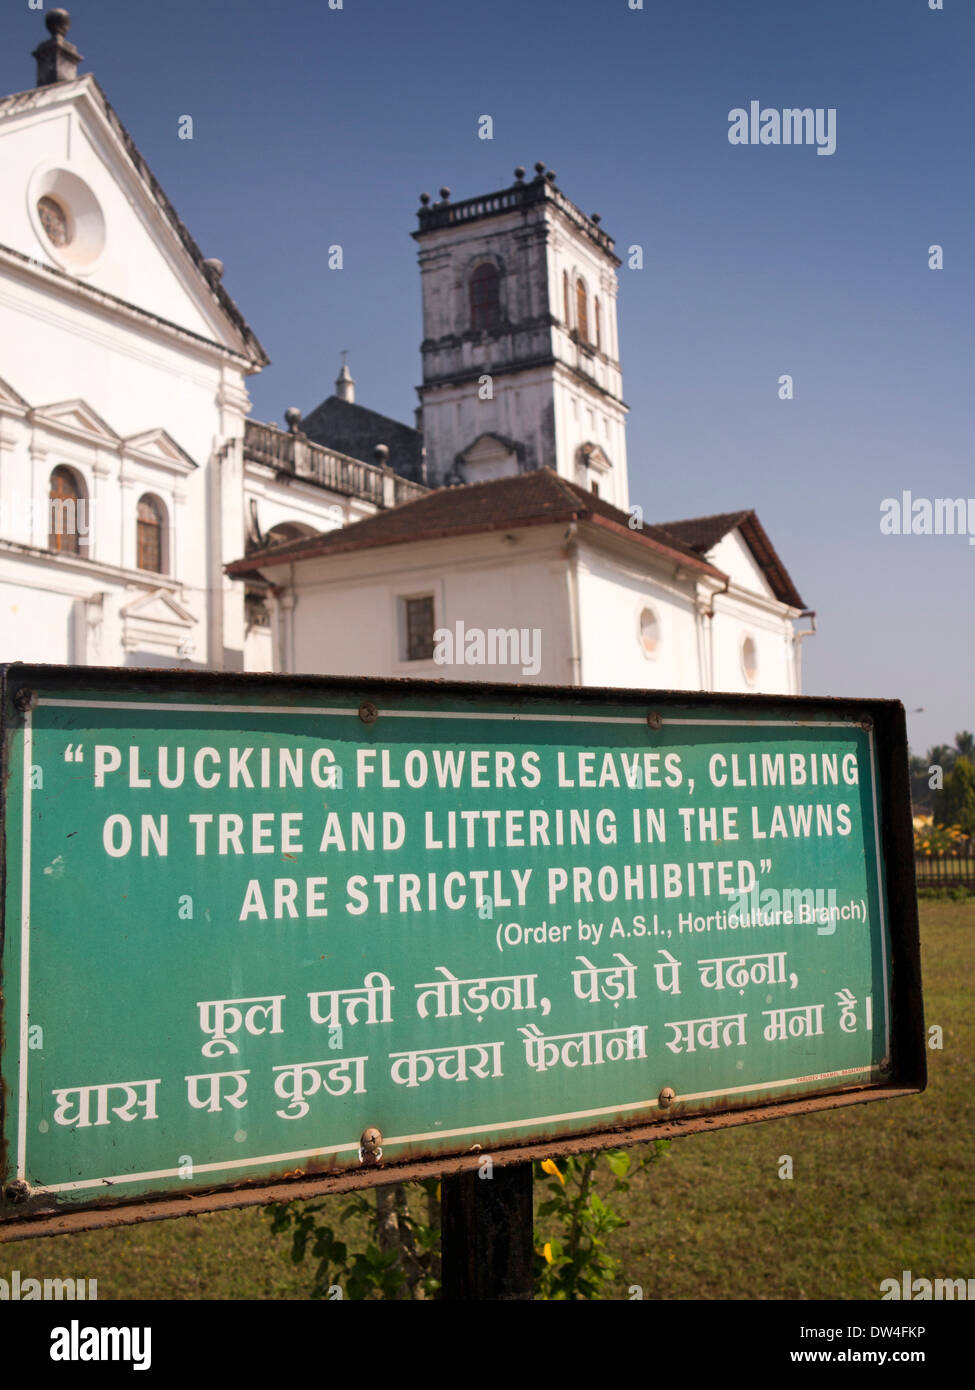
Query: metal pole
point(487, 1244)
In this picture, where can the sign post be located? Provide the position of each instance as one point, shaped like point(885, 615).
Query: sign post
point(267, 937)
point(486, 1235)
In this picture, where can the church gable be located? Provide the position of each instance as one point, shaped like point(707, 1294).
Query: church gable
point(738, 543)
point(90, 207)
point(732, 555)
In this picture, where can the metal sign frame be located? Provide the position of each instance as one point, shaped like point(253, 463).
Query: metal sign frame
point(23, 1214)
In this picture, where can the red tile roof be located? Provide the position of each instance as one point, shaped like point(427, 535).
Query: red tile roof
point(537, 498)
point(702, 534)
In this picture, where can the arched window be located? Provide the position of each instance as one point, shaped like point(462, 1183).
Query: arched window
point(582, 310)
point(150, 526)
point(599, 328)
point(67, 509)
point(485, 297)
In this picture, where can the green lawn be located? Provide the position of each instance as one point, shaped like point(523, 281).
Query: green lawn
point(877, 1189)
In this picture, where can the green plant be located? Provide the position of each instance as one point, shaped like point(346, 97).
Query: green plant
point(401, 1262)
point(401, 1255)
point(576, 1264)
point(953, 893)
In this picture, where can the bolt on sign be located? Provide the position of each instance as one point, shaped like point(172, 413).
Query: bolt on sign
point(267, 936)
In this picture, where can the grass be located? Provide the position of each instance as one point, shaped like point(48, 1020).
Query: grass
point(877, 1189)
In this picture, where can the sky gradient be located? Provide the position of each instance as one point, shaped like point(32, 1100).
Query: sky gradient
point(314, 126)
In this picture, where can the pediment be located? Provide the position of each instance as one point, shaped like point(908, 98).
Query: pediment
point(490, 456)
point(67, 140)
point(592, 456)
point(488, 447)
point(77, 418)
point(159, 447)
point(157, 606)
point(734, 555)
point(11, 398)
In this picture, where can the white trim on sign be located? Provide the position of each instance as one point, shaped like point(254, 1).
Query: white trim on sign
point(869, 1071)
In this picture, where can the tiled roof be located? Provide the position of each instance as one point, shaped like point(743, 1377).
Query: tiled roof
point(537, 498)
point(702, 534)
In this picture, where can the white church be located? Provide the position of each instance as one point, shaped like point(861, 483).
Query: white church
point(145, 520)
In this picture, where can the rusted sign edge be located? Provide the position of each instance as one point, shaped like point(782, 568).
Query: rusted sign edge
point(135, 1211)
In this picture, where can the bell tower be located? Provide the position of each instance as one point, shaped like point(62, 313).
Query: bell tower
point(520, 348)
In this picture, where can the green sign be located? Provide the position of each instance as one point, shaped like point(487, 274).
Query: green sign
point(248, 923)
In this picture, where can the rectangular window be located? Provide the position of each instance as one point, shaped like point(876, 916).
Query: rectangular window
point(419, 628)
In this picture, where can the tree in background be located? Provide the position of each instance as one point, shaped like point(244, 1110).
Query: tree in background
point(956, 803)
point(929, 773)
point(965, 745)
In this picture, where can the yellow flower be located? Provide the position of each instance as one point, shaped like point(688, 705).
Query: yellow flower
point(550, 1167)
point(547, 1248)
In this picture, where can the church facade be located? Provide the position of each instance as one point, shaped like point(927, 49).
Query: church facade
point(129, 471)
point(146, 520)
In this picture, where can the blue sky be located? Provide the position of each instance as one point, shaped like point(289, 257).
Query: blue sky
point(314, 126)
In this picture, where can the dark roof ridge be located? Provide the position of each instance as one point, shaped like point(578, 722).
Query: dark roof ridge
point(703, 533)
point(535, 498)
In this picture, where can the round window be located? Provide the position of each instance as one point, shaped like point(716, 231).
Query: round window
point(68, 219)
point(54, 220)
point(649, 632)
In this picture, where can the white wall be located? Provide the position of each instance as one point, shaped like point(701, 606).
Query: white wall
point(346, 617)
point(340, 615)
point(613, 592)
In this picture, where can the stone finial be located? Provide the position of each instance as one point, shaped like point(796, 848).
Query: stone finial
point(445, 194)
point(345, 385)
point(215, 266)
point(381, 455)
point(292, 418)
point(520, 172)
point(425, 199)
point(57, 59)
point(551, 176)
point(596, 218)
point(539, 168)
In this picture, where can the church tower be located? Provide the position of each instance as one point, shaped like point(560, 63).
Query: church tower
point(520, 348)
